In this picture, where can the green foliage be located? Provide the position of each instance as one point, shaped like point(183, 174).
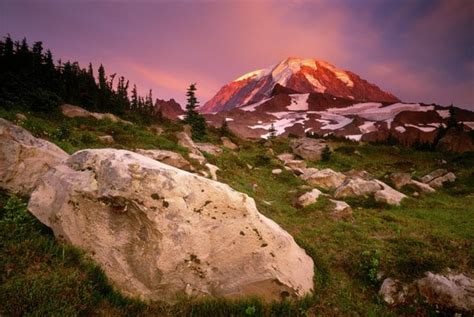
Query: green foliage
point(326, 154)
point(369, 266)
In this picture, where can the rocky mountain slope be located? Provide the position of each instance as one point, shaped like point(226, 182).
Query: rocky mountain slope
point(304, 96)
point(300, 75)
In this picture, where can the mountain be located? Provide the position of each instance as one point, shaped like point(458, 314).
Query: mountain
point(299, 75)
point(305, 96)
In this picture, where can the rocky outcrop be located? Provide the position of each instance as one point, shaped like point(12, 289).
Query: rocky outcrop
point(356, 186)
point(71, 111)
point(438, 178)
point(24, 158)
point(158, 231)
point(453, 292)
point(169, 109)
point(308, 198)
point(326, 178)
point(308, 148)
point(456, 140)
point(402, 179)
point(168, 157)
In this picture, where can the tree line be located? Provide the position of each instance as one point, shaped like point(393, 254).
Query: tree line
point(30, 79)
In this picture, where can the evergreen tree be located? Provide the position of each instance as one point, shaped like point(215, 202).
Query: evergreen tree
point(326, 154)
point(134, 101)
point(194, 118)
point(224, 129)
point(272, 132)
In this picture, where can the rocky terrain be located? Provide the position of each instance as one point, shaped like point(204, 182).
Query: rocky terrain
point(319, 226)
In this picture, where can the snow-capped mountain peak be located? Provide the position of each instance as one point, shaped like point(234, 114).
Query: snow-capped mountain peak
point(301, 75)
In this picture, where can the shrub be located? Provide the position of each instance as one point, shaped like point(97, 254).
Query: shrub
point(326, 154)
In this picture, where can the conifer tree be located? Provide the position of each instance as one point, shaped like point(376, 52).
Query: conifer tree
point(272, 132)
point(194, 118)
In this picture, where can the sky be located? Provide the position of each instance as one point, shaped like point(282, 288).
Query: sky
point(421, 51)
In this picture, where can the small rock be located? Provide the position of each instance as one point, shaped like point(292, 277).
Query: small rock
point(416, 194)
point(213, 170)
point(293, 164)
point(209, 148)
point(326, 178)
point(269, 152)
point(393, 291)
point(201, 159)
point(20, 117)
point(308, 198)
point(400, 179)
point(308, 148)
point(435, 174)
point(277, 171)
point(284, 157)
point(156, 129)
point(249, 166)
point(341, 210)
point(439, 181)
point(107, 139)
point(388, 195)
point(354, 187)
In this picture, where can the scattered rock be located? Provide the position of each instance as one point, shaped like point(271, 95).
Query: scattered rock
point(227, 143)
point(388, 195)
point(249, 166)
point(156, 129)
point(355, 186)
point(326, 178)
point(107, 139)
point(308, 198)
point(71, 111)
point(439, 181)
point(393, 291)
point(308, 148)
point(450, 291)
point(453, 292)
point(212, 170)
point(20, 117)
point(276, 171)
point(167, 157)
point(285, 157)
point(269, 152)
point(209, 148)
point(158, 231)
point(400, 179)
point(435, 174)
point(422, 186)
point(24, 158)
point(296, 164)
point(416, 194)
point(185, 141)
point(341, 210)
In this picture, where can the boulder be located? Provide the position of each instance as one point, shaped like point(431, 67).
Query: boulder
point(24, 158)
point(422, 186)
point(209, 148)
point(448, 291)
point(158, 231)
point(400, 179)
point(341, 210)
point(71, 111)
point(212, 170)
point(435, 174)
point(200, 158)
point(355, 186)
point(167, 157)
point(439, 181)
point(227, 143)
point(388, 195)
point(308, 198)
point(326, 178)
point(308, 148)
point(107, 139)
point(456, 140)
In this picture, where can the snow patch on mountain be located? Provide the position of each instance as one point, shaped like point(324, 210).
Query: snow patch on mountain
point(354, 137)
point(443, 113)
point(424, 129)
point(368, 126)
point(299, 102)
point(254, 106)
point(254, 75)
point(340, 74)
point(400, 129)
point(375, 111)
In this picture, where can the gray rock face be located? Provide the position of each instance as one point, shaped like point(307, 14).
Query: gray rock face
point(158, 231)
point(71, 111)
point(24, 158)
point(308, 148)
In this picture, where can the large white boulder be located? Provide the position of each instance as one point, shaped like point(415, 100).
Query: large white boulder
point(167, 157)
point(24, 158)
point(388, 195)
point(158, 231)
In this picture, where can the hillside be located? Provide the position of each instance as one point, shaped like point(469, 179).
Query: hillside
point(352, 255)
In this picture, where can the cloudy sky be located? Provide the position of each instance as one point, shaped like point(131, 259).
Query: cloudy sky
point(418, 50)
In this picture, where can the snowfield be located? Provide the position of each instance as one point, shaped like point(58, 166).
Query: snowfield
point(299, 102)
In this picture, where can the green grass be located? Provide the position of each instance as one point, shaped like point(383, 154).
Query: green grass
point(432, 232)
